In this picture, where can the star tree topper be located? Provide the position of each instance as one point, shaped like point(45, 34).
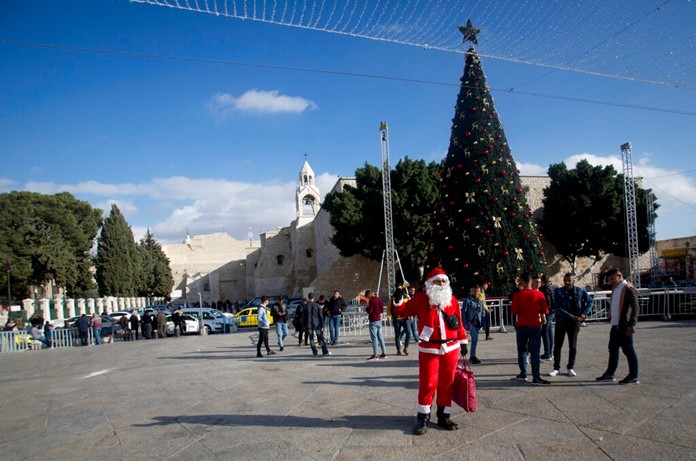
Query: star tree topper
point(469, 32)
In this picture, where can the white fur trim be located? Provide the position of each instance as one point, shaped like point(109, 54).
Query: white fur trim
point(425, 409)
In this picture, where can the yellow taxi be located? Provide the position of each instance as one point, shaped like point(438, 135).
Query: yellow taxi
point(249, 317)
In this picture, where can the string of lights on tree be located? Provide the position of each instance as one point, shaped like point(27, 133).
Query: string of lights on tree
point(649, 41)
point(482, 223)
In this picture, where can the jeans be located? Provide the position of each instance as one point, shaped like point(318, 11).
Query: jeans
point(282, 332)
point(402, 327)
point(320, 339)
point(97, 335)
point(571, 329)
point(414, 328)
point(334, 323)
point(547, 336)
point(528, 340)
point(487, 324)
point(474, 334)
point(375, 336)
point(621, 340)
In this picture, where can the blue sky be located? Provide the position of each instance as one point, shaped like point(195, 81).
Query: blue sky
point(201, 122)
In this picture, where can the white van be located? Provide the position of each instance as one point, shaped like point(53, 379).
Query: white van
point(214, 321)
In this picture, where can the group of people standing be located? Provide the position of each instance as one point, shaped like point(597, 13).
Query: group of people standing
point(536, 304)
point(310, 319)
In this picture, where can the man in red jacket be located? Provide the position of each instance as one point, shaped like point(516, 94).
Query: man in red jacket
point(529, 305)
point(442, 337)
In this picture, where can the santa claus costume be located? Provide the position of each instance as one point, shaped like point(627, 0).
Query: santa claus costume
point(442, 337)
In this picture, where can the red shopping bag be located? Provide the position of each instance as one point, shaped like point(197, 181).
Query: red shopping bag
point(464, 393)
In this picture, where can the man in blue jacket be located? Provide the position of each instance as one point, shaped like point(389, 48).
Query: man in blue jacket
point(573, 305)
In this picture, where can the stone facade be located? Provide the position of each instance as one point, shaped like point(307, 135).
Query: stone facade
point(300, 258)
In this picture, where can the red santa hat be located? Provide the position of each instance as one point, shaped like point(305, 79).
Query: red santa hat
point(436, 274)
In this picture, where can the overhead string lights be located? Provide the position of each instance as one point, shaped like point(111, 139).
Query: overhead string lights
point(651, 42)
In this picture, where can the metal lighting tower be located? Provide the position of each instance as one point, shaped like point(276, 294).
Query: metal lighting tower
point(388, 226)
point(631, 216)
point(654, 263)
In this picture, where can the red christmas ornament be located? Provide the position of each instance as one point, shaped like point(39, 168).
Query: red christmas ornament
point(467, 220)
point(468, 133)
point(466, 266)
point(506, 253)
point(513, 214)
point(487, 232)
point(495, 199)
point(478, 180)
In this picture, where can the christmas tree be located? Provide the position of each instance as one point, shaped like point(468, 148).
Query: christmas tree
point(482, 224)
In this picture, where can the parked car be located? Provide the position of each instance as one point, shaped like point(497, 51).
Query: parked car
point(116, 316)
point(256, 302)
point(213, 320)
point(107, 323)
point(191, 327)
point(249, 317)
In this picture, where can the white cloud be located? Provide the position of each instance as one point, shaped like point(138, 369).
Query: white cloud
point(6, 185)
point(259, 102)
point(531, 169)
point(128, 209)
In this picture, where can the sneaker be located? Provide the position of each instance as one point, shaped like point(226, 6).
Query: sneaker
point(328, 353)
point(398, 352)
point(629, 380)
point(521, 377)
point(475, 360)
point(405, 350)
point(281, 348)
point(544, 359)
point(540, 382)
point(383, 356)
point(488, 338)
point(553, 372)
point(271, 353)
point(259, 355)
point(373, 357)
point(605, 377)
point(571, 372)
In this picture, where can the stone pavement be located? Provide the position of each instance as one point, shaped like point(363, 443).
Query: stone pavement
point(210, 398)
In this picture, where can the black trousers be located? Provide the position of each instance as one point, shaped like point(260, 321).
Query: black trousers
point(571, 329)
point(263, 338)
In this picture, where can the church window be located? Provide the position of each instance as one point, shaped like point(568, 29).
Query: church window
point(310, 252)
point(280, 259)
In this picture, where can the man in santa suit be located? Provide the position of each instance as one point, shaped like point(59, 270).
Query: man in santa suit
point(442, 338)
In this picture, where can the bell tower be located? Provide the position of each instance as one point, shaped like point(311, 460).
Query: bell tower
point(307, 194)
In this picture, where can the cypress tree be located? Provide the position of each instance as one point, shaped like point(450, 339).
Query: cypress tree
point(117, 262)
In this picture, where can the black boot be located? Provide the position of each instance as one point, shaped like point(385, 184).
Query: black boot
point(444, 421)
point(421, 423)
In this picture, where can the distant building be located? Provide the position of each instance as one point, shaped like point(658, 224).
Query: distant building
point(300, 258)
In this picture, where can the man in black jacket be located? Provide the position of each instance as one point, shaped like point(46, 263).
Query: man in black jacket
point(335, 307)
point(314, 324)
point(623, 316)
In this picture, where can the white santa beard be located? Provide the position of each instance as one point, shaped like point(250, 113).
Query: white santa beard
point(439, 295)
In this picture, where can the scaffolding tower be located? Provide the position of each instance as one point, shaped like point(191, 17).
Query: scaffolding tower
point(654, 262)
point(390, 255)
point(631, 215)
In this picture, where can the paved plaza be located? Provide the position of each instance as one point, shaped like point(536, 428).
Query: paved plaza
point(205, 398)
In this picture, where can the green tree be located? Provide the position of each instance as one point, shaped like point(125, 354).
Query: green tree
point(157, 274)
point(584, 212)
point(482, 223)
point(357, 213)
point(47, 238)
point(118, 261)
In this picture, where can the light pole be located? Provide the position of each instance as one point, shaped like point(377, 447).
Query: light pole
point(201, 328)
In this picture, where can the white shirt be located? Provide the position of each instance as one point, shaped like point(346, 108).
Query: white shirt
point(616, 303)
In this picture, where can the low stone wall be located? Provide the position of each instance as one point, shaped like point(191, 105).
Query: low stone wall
point(59, 308)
